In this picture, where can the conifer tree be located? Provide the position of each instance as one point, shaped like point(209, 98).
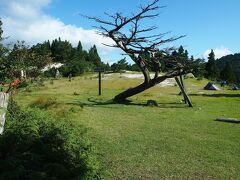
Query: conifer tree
point(180, 50)
point(212, 71)
point(79, 46)
point(94, 57)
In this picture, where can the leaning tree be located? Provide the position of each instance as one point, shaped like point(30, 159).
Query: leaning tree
point(142, 45)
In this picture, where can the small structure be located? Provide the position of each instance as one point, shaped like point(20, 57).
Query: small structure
point(211, 86)
point(57, 75)
point(189, 75)
point(4, 97)
point(23, 74)
point(234, 87)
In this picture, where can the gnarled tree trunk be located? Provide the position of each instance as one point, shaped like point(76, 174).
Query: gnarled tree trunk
point(145, 85)
point(136, 41)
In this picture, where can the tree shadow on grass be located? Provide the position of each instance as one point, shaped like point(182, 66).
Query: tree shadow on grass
point(173, 105)
point(91, 103)
point(217, 95)
point(109, 104)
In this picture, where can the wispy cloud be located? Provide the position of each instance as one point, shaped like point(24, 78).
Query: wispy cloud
point(25, 20)
point(219, 52)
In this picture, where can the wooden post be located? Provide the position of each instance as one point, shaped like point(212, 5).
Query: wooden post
point(181, 80)
point(99, 84)
point(4, 97)
point(99, 70)
point(184, 92)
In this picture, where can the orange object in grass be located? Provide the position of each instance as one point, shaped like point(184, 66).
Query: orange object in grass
point(15, 82)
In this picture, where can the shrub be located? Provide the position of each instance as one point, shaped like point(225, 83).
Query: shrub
point(36, 146)
point(50, 73)
point(28, 89)
point(75, 94)
point(23, 84)
point(43, 102)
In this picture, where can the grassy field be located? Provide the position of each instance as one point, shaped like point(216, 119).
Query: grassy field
point(134, 141)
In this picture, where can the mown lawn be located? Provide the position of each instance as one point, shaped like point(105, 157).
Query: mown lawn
point(134, 141)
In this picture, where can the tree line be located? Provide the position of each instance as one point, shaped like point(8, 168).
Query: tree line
point(21, 58)
point(76, 61)
point(222, 69)
point(31, 60)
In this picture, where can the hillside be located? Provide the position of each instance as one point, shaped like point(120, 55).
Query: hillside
point(234, 59)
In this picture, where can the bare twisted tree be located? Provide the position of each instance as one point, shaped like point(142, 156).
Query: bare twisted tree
point(136, 41)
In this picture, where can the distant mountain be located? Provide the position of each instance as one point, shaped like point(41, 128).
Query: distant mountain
point(235, 61)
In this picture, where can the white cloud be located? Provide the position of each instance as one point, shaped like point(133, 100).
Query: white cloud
point(219, 52)
point(25, 20)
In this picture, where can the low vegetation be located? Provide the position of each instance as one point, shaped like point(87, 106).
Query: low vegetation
point(36, 146)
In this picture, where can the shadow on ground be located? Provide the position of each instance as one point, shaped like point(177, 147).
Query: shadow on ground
point(217, 95)
point(91, 102)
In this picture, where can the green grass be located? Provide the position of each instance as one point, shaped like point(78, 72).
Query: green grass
point(134, 141)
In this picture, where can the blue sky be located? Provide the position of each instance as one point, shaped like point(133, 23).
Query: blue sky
point(208, 24)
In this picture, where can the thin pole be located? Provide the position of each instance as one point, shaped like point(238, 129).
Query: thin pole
point(99, 84)
point(181, 80)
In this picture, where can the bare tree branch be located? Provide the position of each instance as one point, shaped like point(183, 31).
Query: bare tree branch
point(138, 42)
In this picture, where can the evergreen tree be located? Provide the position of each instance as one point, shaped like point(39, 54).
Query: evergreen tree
point(199, 70)
point(78, 53)
point(94, 57)
point(121, 65)
point(42, 48)
point(79, 46)
point(18, 59)
point(181, 50)
point(192, 58)
point(186, 54)
point(228, 74)
point(212, 71)
point(174, 53)
point(182, 54)
point(107, 67)
point(61, 50)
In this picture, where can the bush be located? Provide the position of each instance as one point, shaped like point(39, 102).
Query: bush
point(23, 84)
point(50, 73)
point(44, 102)
point(36, 146)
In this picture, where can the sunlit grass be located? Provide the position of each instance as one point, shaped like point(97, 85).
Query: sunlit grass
point(134, 141)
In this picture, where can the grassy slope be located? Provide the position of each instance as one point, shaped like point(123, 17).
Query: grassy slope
point(139, 142)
